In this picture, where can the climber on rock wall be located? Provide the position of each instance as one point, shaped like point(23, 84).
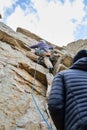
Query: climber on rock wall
point(44, 50)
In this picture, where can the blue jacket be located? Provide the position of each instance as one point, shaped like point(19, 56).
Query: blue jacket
point(42, 45)
point(67, 102)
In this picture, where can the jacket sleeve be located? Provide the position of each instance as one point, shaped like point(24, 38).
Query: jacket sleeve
point(50, 47)
point(56, 102)
point(34, 46)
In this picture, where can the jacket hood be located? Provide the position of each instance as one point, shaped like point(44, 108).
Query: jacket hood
point(80, 64)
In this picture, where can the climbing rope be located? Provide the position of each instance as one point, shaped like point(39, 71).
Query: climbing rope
point(34, 99)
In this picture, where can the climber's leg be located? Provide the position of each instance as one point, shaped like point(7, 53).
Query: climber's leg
point(48, 63)
point(49, 78)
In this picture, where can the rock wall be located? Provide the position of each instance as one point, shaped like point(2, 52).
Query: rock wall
point(75, 46)
point(0, 16)
point(17, 84)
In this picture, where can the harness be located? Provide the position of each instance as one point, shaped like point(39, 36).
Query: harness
point(42, 53)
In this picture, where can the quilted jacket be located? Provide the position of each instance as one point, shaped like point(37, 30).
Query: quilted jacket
point(67, 102)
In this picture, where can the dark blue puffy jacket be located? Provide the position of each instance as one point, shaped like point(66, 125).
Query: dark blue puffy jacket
point(67, 102)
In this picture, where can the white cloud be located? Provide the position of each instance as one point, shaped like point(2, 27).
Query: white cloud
point(5, 4)
point(52, 20)
point(19, 19)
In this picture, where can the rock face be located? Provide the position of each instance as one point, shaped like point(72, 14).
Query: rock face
point(0, 16)
point(75, 46)
point(20, 88)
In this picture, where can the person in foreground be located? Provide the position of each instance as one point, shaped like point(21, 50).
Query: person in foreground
point(67, 101)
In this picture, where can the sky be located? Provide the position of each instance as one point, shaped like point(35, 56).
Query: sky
point(57, 21)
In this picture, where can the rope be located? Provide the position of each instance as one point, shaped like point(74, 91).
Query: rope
point(33, 97)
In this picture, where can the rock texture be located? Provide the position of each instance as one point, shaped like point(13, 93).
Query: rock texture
point(75, 46)
point(0, 16)
point(20, 88)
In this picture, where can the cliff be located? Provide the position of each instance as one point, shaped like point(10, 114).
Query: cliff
point(18, 65)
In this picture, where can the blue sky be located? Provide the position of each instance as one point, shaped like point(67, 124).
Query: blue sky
point(57, 21)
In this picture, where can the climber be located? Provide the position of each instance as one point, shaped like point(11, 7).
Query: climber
point(44, 50)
